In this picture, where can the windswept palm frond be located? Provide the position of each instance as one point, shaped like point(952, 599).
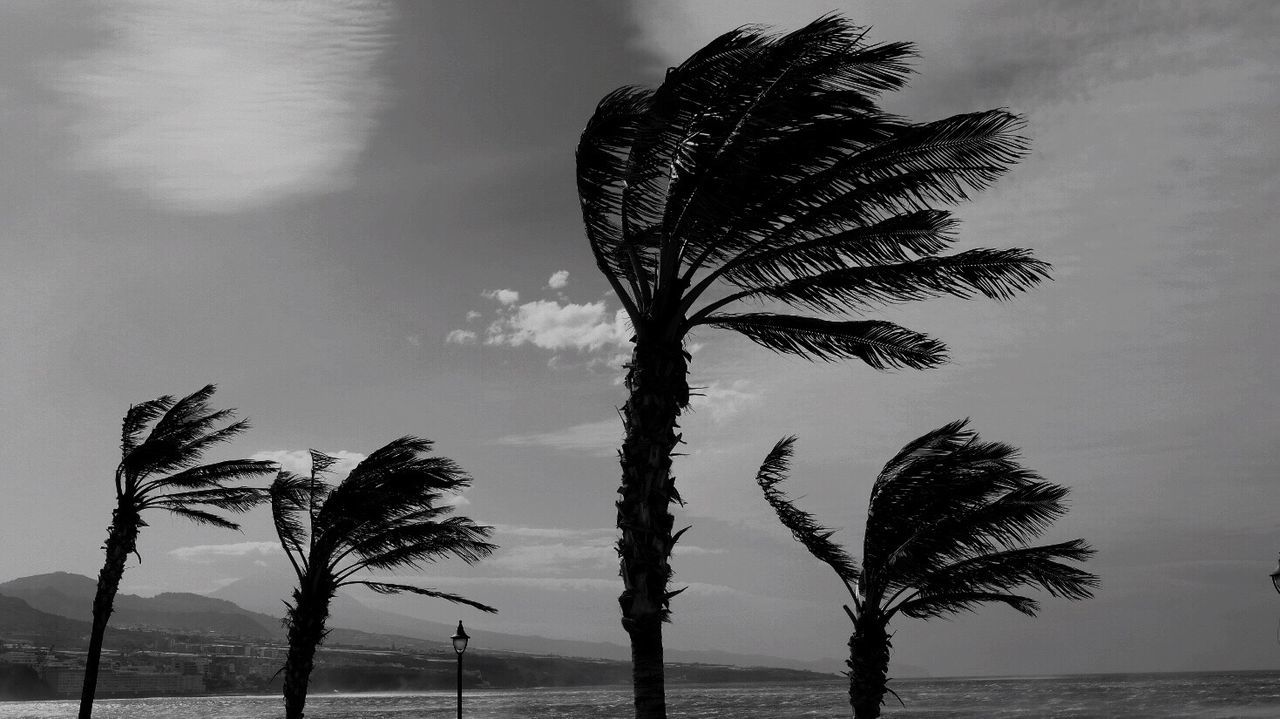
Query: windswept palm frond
point(200, 516)
point(932, 607)
point(137, 419)
point(388, 588)
point(880, 344)
point(804, 528)
point(211, 475)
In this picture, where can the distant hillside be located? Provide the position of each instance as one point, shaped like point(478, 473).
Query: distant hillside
point(71, 596)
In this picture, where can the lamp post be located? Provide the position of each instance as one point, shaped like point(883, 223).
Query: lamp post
point(460, 645)
point(1275, 577)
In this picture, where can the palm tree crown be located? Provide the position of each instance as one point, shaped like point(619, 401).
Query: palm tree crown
point(763, 173)
point(948, 529)
point(387, 514)
point(162, 470)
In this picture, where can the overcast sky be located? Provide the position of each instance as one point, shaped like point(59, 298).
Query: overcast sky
point(359, 219)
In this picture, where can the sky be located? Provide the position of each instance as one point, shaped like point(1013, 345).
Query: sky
point(359, 219)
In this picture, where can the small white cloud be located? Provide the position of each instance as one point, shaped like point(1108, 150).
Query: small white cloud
point(504, 297)
point(725, 400)
point(208, 553)
point(601, 438)
point(461, 337)
point(298, 461)
point(456, 501)
point(558, 280)
point(551, 325)
point(472, 316)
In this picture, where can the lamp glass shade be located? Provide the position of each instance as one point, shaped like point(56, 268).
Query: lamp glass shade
point(460, 639)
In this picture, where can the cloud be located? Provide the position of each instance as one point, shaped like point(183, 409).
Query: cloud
point(601, 438)
point(506, 297)
point(298, 461)
point(558, 279)
point(209, 553)
point(461, 337)
point(472, 316)
point(559, 558)
point(550, 325)
point(551, 532)
point(724, 400)
point(222, 107)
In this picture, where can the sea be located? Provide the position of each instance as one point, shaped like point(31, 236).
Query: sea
point(1219, 695)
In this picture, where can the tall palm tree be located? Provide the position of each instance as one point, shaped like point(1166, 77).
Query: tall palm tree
point(948, 528)
point(385, 515)
point(762, 173)
point(162, 471)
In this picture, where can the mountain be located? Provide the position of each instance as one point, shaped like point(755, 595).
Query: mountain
point(262, 593)
point(71, 595)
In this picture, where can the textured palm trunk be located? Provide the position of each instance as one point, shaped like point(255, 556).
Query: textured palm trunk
point(306, 630)
point(868, 668)
point(659, 391)
point(122, 540)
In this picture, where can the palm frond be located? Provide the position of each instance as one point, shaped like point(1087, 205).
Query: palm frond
point(880, 344)
point(137, 419)
point(996, 274)
point(410, 544)
point(930, 607)
point(601, 162)
point(897, 239)
point(389, 588)
point(230, 499)
point(802, 525)
point(1027, 566)
point(289, 495)
point(213, 475)
point(202, 517)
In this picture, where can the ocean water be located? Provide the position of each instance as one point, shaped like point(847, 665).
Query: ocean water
point(1224, 695)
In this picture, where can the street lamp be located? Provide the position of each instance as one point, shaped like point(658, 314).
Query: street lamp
point(1275, 577)
point(460, 645)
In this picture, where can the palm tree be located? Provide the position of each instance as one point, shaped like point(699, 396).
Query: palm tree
point(162, 471)
point(763, 173)
point(385, 515)
point(948, 528)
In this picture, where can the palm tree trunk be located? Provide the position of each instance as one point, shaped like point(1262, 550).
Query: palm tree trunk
point(659, 390)
point(868, 668)
point(307, 617)
point(122, 540)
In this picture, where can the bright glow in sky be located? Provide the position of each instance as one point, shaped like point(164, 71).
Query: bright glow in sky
point(359, 219)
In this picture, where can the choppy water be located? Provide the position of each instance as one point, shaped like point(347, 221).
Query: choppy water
point(1132, 696)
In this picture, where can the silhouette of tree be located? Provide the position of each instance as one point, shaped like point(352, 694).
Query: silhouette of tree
point(948, 527)
point(162, 472)
point(762, 172)
point(385, 515)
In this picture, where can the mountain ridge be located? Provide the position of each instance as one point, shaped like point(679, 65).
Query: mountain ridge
point(70, 596)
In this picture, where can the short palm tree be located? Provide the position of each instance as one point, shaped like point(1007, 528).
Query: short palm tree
point(948, 528)
point(162, 471)
point(385, 515)
point(762, 173)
